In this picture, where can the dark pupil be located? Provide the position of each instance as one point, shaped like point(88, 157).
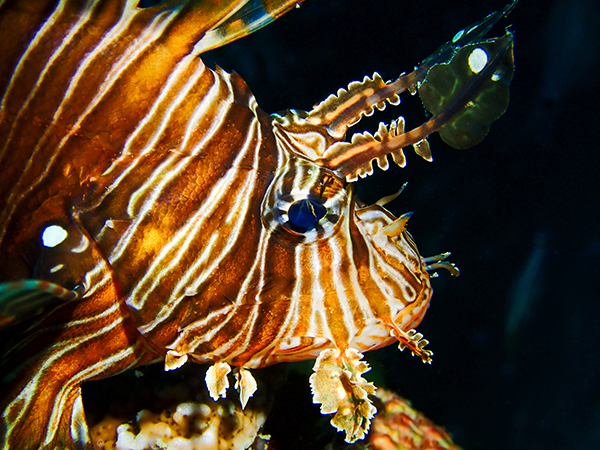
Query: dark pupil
point(305, 214)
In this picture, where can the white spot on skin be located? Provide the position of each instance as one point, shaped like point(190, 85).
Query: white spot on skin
point(477, 60)
point(53, 235)
point(189, 292)
point(57, 268)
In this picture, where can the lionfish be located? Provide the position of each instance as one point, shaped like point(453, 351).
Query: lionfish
point(151, 211)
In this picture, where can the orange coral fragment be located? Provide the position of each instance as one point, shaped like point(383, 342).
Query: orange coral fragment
point(398, 426)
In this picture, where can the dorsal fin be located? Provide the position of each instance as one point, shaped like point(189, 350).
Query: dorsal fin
point(250, 17)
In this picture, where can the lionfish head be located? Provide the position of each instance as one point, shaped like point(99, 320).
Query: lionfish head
point(356, 260)
point(360, 283)
point(359, 259)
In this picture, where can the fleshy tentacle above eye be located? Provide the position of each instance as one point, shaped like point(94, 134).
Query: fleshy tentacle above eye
point(340, 111)
point(464, 85)
point(456, 102)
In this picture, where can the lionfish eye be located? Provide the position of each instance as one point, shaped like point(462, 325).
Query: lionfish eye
point(305, 214)
point(304, 202)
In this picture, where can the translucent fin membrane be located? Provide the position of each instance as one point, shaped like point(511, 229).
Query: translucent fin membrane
point(447, 84)
point(465, 94)
point(340, 111)
point(463, 84)
point(250, 16)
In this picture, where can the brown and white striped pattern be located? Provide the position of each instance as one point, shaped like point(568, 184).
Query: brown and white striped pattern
point(161, 171)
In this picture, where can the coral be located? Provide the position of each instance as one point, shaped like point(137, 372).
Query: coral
point(154, 410)
point(397, 426)
point(206, 425)
point(178, 413)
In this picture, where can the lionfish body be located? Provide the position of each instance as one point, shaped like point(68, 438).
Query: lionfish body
point(151, 211)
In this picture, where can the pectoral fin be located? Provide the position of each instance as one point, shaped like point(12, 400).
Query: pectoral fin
point(21, 300)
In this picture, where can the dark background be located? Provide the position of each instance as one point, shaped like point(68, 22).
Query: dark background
point(520, 212)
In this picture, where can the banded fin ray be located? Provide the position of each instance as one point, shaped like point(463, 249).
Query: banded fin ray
point(250, 17)
point(21, 300)
point(354, 159)
point(461, 77)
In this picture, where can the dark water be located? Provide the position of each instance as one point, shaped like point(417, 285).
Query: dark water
point(516, 337)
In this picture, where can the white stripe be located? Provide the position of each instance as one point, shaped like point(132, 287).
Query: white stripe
point(164, 174)
point(190, 340)
point(79, 429)
point(292, 317)
point(380, 264)
point(57, 345)
point(127, 59)
point(187, 233)
point(197, 340)
point(340, 287)
point(183, 288)
point(316, 300)
point(121, 247)
point(243, 292)
point(156, 109)
point(24, 398)
point(90, 371)
point(41, 34)
point(363, 301)
point(198, 272)
point(243, 296)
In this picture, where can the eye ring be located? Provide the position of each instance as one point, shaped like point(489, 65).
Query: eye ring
point(304, 203)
